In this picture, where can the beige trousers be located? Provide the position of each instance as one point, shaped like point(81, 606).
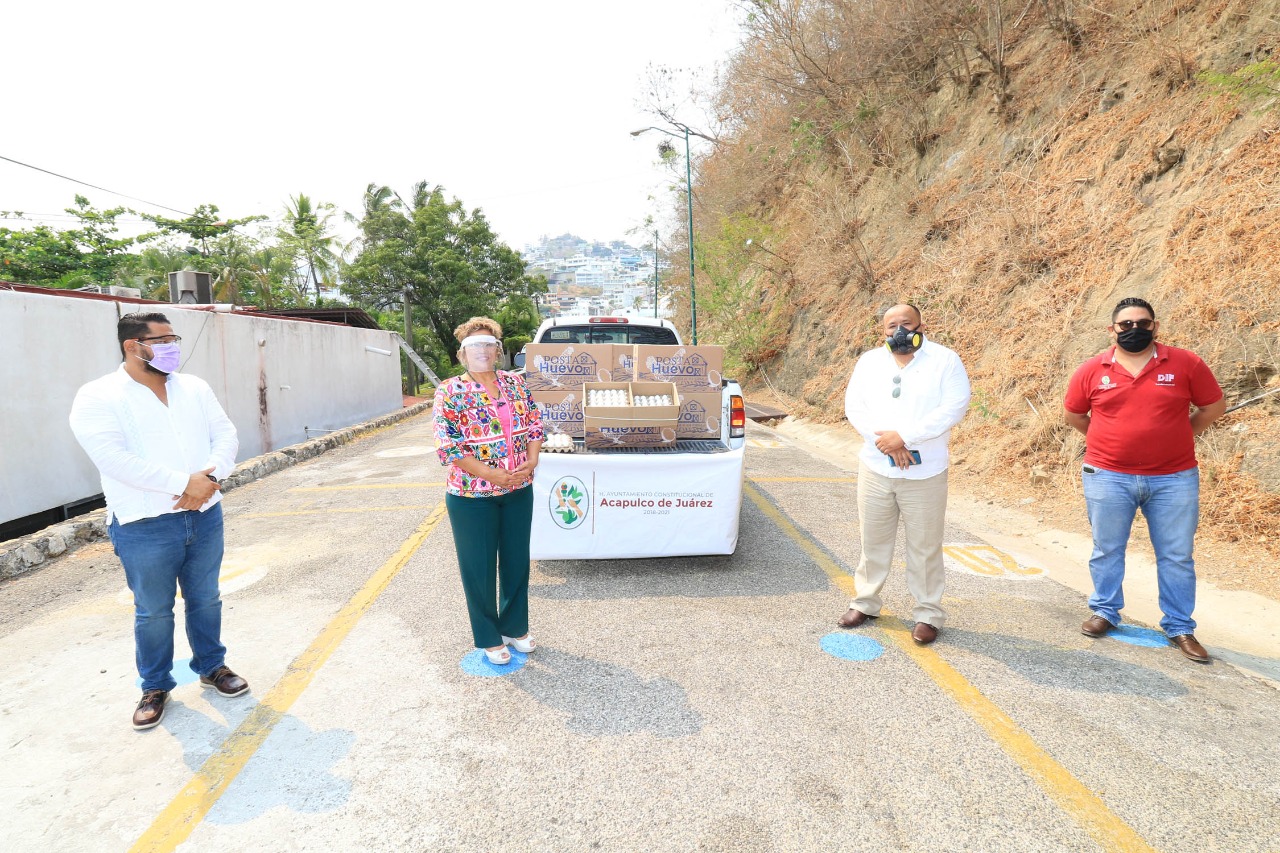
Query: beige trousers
point(922, 506)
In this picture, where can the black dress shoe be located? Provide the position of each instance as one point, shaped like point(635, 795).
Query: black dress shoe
point(852, 618)
point(924, 633)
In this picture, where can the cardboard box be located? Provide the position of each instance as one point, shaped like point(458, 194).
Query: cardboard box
point(700, 415)
point(629, 425)
point(624, 363)
point(561, 411)
point(691, 369)
point(563, 367)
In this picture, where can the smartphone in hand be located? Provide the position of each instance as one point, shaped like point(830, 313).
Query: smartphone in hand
point(915, 457)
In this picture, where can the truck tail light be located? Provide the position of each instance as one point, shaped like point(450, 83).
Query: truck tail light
point(737, 417)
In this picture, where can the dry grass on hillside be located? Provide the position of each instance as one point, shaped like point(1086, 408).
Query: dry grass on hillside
point(1110, 172)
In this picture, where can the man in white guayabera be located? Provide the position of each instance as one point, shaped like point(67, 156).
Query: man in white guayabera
point(161, 443)
point(904, 398)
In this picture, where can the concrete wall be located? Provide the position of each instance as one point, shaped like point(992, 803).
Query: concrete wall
point(276, 378)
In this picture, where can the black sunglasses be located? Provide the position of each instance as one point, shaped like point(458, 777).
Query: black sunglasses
point(1126, 325)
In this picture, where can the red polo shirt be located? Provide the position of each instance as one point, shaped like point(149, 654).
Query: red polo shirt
point(1142, 424)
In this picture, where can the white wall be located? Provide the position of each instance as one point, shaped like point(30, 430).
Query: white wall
point(274, 377)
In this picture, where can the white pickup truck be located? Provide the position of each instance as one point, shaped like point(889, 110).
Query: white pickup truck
point(626, 502)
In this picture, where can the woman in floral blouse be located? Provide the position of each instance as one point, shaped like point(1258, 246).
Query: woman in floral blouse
point(489, 432)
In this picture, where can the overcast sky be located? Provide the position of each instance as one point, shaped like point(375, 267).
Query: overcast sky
point(523, 109)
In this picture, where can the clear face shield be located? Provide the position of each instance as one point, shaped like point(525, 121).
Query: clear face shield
point(480, 353)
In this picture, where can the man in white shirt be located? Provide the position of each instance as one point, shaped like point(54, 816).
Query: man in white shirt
point(162, 442)
point(904, 398)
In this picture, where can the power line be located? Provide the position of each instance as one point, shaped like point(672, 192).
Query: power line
point(94, 186)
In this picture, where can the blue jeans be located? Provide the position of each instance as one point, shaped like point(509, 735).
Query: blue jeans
point(159, 554)
point(1171, 504)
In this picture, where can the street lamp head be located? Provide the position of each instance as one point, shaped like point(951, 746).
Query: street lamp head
point(640, 131)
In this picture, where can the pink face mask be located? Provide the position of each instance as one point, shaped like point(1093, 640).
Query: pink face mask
point(164, 357)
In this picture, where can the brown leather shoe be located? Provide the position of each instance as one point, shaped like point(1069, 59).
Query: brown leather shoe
point(226, 682)
point(150, 709)
point(1190, 648)
point(852, 618)
point(1095, 626)
point(924, 633)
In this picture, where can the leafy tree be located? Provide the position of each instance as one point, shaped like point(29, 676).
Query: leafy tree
point(273, 280)
point(71, 257)
point(447, 258)
point(149, 269)
point(519, 315)
point(200, 227)
point(744, 290)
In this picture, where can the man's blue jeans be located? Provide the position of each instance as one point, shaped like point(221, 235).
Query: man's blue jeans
point(159, 554)
point(1171, 504)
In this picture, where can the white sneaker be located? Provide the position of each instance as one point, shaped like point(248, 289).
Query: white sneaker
point(524, 644)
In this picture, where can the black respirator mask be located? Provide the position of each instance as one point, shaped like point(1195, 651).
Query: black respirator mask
point(1135, 339)
point(904, 340)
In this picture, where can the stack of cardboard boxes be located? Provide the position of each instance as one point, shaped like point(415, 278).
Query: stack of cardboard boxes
point(696, 372)
point(691, 376)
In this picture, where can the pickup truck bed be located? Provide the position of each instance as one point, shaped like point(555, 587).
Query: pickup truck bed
point(680, 500)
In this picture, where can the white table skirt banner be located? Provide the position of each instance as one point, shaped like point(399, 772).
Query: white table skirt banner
point(602, 506)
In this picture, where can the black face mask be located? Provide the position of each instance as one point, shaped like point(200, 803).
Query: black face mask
point(1135, 339)
point(904, 340)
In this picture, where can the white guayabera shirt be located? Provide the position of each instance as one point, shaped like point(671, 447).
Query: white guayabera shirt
point(147, 451)
point(933, 399)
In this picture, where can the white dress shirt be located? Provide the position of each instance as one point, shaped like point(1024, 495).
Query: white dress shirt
point(146, 451)
point(935, 397)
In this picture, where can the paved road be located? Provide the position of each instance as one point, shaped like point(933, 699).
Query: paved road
point(698, 704)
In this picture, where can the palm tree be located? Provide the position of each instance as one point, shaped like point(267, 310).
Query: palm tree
point(308, 237)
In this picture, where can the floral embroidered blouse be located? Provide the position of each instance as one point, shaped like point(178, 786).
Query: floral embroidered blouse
point(468, 423)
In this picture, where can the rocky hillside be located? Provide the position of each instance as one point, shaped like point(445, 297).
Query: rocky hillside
point(1014, 168)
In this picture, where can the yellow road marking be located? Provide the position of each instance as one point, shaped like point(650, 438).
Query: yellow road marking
point(188, 808)
point(365, 486)
point(418, 507)
point(1071, 795)
point(226, 576)
point(970, 556)
point(804, 479)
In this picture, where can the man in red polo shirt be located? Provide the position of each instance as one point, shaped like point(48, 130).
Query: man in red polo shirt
point(1133, 404)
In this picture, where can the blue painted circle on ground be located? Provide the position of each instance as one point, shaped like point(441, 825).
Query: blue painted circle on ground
point(475, 663)
point(182, 673)
point(1135, 636)
point(851, 646)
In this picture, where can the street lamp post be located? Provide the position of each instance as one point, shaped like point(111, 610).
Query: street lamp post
point(655, 275)
point(688, 182)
